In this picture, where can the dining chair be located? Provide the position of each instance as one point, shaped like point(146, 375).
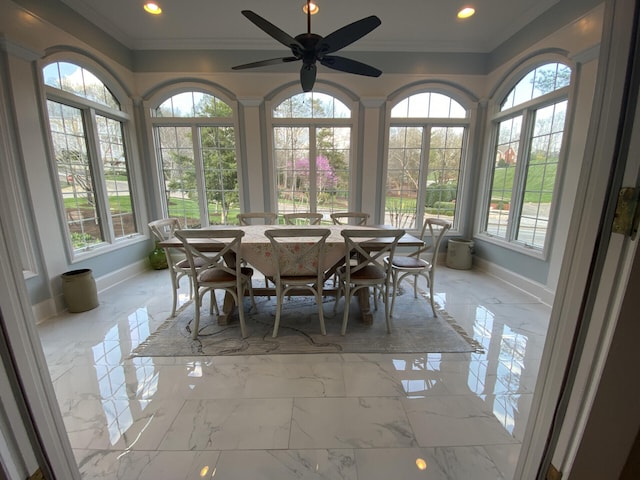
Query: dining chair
point(298, 256)
point(177, 262)
point(414, 264)
point(258, 218)
point(369, 270)
point(302, 218)
point(349, 218)
point(222, 269)
point(254, 218)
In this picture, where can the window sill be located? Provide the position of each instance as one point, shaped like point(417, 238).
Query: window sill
point(98, 250)
point(515, 247)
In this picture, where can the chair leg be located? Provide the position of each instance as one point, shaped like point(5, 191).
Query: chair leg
point(279, 298)
point(323, 330)
point(394, 280)
point(387, 313)
point(174, 284)
point(338, 295)
point(196, 320)
point(243, 325)
point(345, 317)
point(431, 299)
point(253, 300)
point(213, 305)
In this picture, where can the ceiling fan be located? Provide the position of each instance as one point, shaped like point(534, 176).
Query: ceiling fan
point(311, 48)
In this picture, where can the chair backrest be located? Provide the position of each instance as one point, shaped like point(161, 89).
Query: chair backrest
point(349, 218)
point(302, 218)
point(257, 218)
point(298, 251)
point(436, 228)
point(164, 228)
point(216, 248)
point(365, 255)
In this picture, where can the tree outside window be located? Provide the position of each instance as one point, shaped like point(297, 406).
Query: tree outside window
point(312, 137)
point(425, 159)
point(195, 144)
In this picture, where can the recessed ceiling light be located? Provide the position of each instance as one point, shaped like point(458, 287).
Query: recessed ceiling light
point(314, 8)
point(152, 8)
point(466, 12)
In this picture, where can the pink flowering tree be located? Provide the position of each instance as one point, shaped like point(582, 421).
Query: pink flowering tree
point(325, 173)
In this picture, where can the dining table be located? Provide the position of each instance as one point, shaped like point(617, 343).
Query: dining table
point(256, 250)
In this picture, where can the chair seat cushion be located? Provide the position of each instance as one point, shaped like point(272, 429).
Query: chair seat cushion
point(409, 262)
point(215, 275)
point(199, 262)
point(370, 272)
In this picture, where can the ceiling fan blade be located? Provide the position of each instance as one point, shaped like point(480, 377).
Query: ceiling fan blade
point(264, 63)
point(308, 77)
point(268, 27)
point(350, 66)
point(347, 35)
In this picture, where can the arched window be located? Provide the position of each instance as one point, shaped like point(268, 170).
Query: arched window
point(312, 152)
point(427, 137)
point(528, 130)
point(196, 147)
point(87, 128)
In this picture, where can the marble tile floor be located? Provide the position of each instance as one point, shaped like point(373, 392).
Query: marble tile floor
point(328, 416)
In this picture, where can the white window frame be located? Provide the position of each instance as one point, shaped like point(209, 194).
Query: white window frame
point(89, 109)
point(469, 103)
point(195, 123)
point(526, 110)
point(312, 124)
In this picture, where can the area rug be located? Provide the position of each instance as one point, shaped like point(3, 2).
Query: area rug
point(414, 330)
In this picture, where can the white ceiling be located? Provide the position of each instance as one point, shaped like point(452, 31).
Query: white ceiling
point(407, 25)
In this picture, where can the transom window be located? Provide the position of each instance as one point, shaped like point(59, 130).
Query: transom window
point(529, 137)
point(92, 166)
point(196, 148)
point(312, 151)
point(427, 137)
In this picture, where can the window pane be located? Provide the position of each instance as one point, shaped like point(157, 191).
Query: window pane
point(220, 174)
point(312, 177)
point(116, 176)
point(75, 177)
point(200, 174)
point(428, 105)
point(506, 157)
point(79, 81)
point(332, 169)
point(403, 175)
point(311, 105)
point(193, 104)
point(291, 150)
point(541, 174)
point(544, 79)
point(445, 156)
point(175, 146)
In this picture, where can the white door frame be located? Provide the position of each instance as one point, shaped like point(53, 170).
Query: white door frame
point(594, 274)
point(582, 241)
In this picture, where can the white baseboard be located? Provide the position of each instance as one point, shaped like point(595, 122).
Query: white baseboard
point(538, 290)
point(55, 306)
point(114, 278)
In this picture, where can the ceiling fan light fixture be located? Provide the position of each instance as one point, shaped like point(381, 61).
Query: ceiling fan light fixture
point(466, 12)
point(312, 7)
point(152, 8)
